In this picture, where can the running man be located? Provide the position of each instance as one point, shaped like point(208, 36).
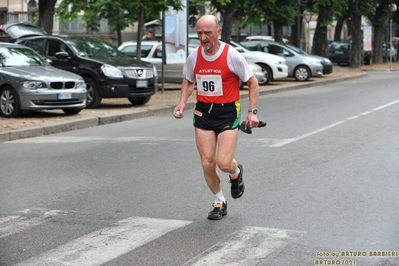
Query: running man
point(216, 68)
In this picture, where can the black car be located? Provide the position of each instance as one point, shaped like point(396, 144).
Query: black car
point(108, 73)
point(339, 52)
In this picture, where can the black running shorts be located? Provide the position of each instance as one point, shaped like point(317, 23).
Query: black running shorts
point(217, 117)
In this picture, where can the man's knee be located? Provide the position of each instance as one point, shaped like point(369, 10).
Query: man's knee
point(208, 165)
point(224, 165)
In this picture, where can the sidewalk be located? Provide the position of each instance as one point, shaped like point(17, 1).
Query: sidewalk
point(117, 110)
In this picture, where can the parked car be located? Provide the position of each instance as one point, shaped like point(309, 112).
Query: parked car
point(107, 72)
point(339, 53)
point(391, 53)
point(263, 38)
point(301, 67)
point(258, 73)
point(28, 82)
point(151, 51)
point(274, 67)
point(327, 64)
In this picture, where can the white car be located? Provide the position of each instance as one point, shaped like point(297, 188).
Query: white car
point(151, 51)
point(273, 66)
point(263, 38)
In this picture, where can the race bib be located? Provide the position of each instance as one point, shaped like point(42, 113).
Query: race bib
point(209, 85)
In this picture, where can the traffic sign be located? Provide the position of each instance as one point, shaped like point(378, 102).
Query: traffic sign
point(307, 17)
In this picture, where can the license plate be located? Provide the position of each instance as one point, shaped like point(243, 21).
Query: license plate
point(339, 52)
point(141, 83)
point(63, 96)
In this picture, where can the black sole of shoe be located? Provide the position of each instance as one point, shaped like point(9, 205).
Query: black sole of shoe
point(239, 195)
point(217, 218)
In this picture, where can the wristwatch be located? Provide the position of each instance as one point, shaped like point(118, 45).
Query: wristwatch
point(254, 111)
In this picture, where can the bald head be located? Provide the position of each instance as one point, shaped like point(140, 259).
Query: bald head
point(208, 20)
point(208, 31)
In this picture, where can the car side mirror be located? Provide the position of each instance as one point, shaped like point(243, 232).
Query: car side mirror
point(62, 55)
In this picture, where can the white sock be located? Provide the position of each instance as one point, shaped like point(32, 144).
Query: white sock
point(236, 173)
point(219, 197)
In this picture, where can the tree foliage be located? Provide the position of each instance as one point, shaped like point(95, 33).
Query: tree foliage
point(235, 13)
point(120, 14)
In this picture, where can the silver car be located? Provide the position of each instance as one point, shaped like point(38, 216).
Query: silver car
point(28, 82)
point(301, 67)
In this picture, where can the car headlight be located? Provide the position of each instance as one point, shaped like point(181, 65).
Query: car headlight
point(155, 71)
point(314, 60)
point(33, 85)
point(81, 84)
point(279, 62)
point(328, 61)
point(111, 72)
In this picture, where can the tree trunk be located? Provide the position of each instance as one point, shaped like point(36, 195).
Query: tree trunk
point(46, 15)
point(338, 30)
point(278, 31)
point(320, 37)
point(378, 40)
point(140, 33)
point(296, 31)
point(228, 20)
point(119, 34)
point(356, 53)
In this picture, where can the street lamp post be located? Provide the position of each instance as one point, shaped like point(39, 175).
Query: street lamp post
point(393, 9)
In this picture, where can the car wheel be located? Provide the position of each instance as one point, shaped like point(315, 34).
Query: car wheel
point(302, 73)
point(72, 111)
point(267, 77)
point(9, 102)
point(139, 100)
point(93, 96)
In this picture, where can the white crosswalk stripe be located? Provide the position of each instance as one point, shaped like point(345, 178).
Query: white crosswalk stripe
point(107, 243)
point(243, 247)
point(17, 223)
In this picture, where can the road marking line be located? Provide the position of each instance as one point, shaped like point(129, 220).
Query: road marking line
point(31, 217)
point(288, 141)
point(145, 140)
point(245, 247)
point(385, 105)
point(107, 243)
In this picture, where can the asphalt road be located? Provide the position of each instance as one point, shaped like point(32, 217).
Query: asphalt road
point(321, 187)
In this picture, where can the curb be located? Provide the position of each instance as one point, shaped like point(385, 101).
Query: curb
point(109, 119)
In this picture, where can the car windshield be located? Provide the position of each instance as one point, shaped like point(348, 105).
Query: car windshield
point(89, 47)
point(24, 30)
point(131, 50)
point(18, 56)
point(239, 45)
point(340, 46)
point(296, 49)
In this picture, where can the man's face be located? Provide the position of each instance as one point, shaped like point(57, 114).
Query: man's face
point(208, 34)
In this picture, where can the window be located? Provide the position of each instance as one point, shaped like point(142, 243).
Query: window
point(35, 45)
point(54, 47)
